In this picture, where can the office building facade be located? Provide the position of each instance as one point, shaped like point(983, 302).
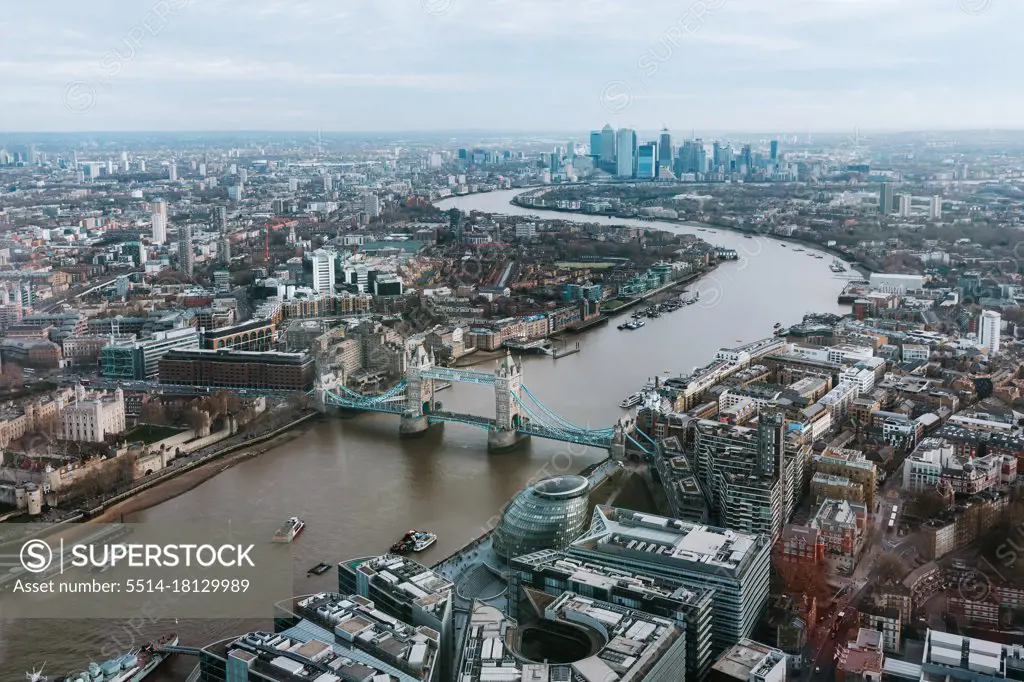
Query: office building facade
point(159, 219)
point(735, 565)
point(625, 153)
point(647, 161)
point(324, 271)
point(554, 572)
point(548, 515)
point(989, 329)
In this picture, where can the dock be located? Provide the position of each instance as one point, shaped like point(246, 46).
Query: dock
point(563, 351)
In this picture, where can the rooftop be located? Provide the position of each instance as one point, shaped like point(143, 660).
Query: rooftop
point(657, 539)
point(304, 653)
point(749, 660)
point(627, 643)
point(562, 486)
point(406, 579)
point(357, 623)
point(605, 577)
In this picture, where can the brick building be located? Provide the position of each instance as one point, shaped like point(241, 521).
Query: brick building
point(271, 370)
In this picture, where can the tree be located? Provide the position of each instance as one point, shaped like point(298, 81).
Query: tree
point(12, 377)
point(803, 578)
point(154, 412)
point(196, 419)
point(298, 400)
point(891, 568)
point(929, 504)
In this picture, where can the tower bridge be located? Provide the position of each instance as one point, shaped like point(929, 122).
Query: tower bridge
point(518, 414)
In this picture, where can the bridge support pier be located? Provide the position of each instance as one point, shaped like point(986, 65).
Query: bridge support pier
point(617, 448)
point(503, 440)
point(413, 426)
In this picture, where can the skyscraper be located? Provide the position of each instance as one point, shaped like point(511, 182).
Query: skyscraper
point(607, 146)
point(700, 156)
point(775, 151)
point(221, 214)
point(685, 158)
point(371, 204)
point(224, 250)
point(625, 153)
point(885, 197)
point(647, 161)
point(904, 202)
point(186, 257)
point(665, 149)
point(172, 172)
point(159, 217)
point(595, 144)
point(935, 208)
point(989, 330)
point(323, 271)
point(726, 157)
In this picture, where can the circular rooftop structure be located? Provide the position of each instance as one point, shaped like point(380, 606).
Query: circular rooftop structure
point(548, 515)
point(562, 487)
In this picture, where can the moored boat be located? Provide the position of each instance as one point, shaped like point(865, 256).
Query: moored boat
point(133, 666)
point(414, 541)
point(631, 401)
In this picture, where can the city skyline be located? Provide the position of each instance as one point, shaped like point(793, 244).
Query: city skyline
point(525, 66)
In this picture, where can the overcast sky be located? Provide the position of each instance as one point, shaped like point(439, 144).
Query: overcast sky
point(744, 65)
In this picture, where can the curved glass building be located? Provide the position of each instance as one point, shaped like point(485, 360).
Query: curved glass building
point(548, 515)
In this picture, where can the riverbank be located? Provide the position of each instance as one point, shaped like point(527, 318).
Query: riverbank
point(836, 253)
point(184, 480)
point(172, 482)
point(193, 478)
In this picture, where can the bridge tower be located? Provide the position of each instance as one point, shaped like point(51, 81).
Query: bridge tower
point(419, 394)
point(508, 417)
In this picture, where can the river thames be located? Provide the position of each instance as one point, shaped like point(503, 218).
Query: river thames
point(359, 487)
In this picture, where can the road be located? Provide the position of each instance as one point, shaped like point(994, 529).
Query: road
point(831, 632)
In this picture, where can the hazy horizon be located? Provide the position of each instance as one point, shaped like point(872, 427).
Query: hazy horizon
point(516, 66)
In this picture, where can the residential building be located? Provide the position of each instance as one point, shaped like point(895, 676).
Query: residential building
point(989, 329)
point(852, 465)
point(751, 480)
point(159, 219)
point(186, 254)
point(885, 198)
point(371, 204)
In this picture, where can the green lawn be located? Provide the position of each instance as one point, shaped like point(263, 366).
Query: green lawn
point(151, 433)
point(612, 304)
